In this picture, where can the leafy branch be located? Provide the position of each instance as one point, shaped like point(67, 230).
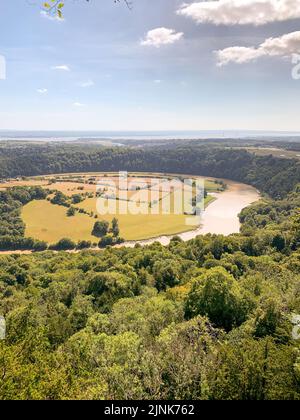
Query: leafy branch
point(54, 7)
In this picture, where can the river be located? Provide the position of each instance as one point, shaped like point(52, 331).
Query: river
point(220, 217)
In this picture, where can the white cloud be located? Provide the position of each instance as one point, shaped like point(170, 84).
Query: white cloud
point(241, 12)
point(48, 16)
point(42, 91)
point(161, 36)
point(86, 84)
point(157, 81)
point(79, 105)
point(283, 46)
point(63, 67)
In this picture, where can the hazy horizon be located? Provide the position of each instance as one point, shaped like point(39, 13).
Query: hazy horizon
point(142, 134)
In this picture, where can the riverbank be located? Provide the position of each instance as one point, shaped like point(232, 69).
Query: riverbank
point(221, 217)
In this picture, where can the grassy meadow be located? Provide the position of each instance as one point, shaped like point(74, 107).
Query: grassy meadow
point(50, 223)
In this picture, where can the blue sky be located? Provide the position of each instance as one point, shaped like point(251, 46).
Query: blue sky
point(107, 68)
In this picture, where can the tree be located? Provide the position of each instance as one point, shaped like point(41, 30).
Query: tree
point(278, 242)
point(184, 357)
point(64, 244)
point(108, 287)
point(267, 318)
point(115, 230)
point(77, 198)
point(100, 229)
point(40, 246)
point(296, 230)
point(166, 273)
point(71, 212)
point(249, 369)
point(59, 199)
point(217, 295)
point(105, 241)
point(84, 244)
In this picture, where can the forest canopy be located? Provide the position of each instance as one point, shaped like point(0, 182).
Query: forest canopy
point(207, 319)
point(212, 318)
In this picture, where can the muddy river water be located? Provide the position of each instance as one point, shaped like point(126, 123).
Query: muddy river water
point(220, 217)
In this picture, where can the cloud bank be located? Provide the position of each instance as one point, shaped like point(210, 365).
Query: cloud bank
point(241, 12)
point(283, 46)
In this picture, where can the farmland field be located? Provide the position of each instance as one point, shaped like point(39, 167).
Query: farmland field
point(50, 223)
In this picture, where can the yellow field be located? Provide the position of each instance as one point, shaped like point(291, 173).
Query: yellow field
point(49, 223)
point(23, 183)
point(71, 188)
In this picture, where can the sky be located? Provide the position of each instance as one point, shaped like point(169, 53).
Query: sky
point(164, 65)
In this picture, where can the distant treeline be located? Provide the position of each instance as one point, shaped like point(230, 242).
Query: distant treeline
point(274, 176)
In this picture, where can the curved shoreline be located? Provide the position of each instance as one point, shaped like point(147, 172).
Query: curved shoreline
point(219, 217)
